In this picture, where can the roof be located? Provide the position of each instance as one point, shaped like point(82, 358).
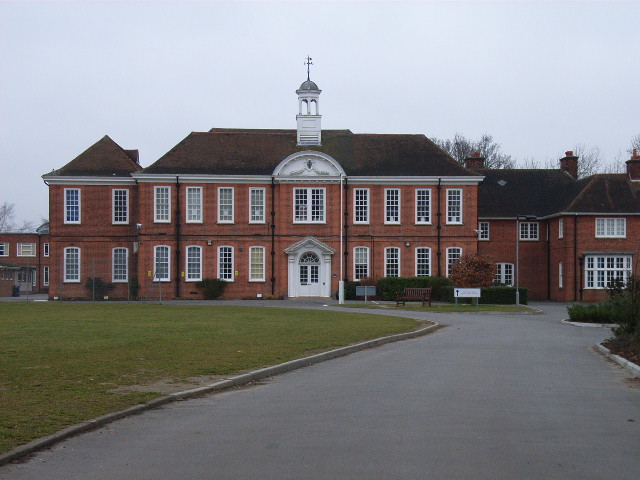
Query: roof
point(258, 152)
point(103, 158)
point(505, 193)
point(309, 85)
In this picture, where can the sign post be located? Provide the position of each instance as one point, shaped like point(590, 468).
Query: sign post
point(466, 293)
point(365, 290)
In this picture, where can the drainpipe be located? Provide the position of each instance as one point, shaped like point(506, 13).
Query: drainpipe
point(177, 237)
point(548, 260)
point(273, 236)
point(439, 228)
point(346, 228)
point(341, 281)
point(575, 257)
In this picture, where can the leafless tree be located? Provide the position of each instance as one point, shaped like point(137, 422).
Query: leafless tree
point(461, 147)
point(7, 220)
point(635, 144)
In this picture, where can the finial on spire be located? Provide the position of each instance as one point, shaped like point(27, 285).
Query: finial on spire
point(307, 63)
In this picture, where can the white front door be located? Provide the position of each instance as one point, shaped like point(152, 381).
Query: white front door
point(309, 284)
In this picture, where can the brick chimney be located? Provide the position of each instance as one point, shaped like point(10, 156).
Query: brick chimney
point(474, 161)
point(633, 166)
point(569, 164)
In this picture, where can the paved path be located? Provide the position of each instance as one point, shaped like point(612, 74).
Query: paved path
point(488, 397)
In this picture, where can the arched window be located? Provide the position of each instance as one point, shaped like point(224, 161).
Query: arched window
point(309, 258)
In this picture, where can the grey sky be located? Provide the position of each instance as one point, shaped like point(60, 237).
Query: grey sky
point(539, 76)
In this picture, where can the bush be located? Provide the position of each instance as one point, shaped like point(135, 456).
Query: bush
point(389, 286)
point(212, 288)
point(98, 289)
point(134, 288)
point(473, 271)
point(591, 313)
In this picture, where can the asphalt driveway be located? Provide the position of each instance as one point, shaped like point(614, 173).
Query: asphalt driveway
point(487, 397)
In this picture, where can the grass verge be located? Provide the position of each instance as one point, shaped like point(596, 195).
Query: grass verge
point(63, 363)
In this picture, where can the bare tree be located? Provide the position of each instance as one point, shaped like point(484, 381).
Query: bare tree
point(7, 220)
point(590, 160)
point(635, 144)
point(461, 147)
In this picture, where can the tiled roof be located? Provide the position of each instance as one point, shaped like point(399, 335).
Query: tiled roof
point(103, 158)
point(509, 192)
point(258, 152)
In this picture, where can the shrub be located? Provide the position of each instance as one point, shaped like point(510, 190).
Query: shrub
point(473, 271)
point(134, 288)
point(490, 296)
point(97, 288)
point(591, 313)
point(389, 286)
point(212, 288)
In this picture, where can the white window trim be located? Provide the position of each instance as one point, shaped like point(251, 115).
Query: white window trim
point(20, 246)
point(264, 204)
point(73, 222)
point(627, 271)
point(615, 220)
point(418, 221)
point(113, 265)
point(113, 206)
point(560, 274)
point(355, 263)
point(430, 260)
point(310, 205)
point(233, 206)
point(455, 222)
point(386, 206)
point(481, 232)
point(501, 271)
point(155, 264)
point(264, 263)
point(46, 249)
point(187, 277)
point(64, 260)
point(560, 228)
point(156, 188)
point(529, 238)
point(232, 279)
point(5, 249)
point(186, 199)
point(45, 275)
point(368, 206)
point(386, 249)
point(448, 255)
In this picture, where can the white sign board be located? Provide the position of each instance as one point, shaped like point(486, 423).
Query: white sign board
point(466, 292)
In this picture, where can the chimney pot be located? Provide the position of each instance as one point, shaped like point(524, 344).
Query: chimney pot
point(474, 161)
point(633, 166)
point(569, 164)
point(568, 153)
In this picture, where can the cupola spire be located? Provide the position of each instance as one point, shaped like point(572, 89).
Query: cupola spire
point(308, 118)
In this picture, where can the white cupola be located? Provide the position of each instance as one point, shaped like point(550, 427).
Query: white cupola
point(308, 118)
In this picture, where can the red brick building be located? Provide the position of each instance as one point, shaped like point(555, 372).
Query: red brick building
point(24, 262)
point(288, 213)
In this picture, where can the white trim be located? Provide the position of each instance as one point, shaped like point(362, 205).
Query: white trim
point(448, 250)
point(368, 254)
point(20, 246)
point(309, 205)
point(113, 265)
point(386, 205)
point(460, 207)
point(187, 278)
point(155, 204)
point(264, 205)
point(233, 206)
point(399, 264)
point(481, 232)
point(114, 181)
point(232, 279)
point(615, 227)
point(155, 264)
point(113, 206)
point(64, 265)
point(72, 222)
point(368, 207)
point(200, 205)
point(430, 260)
point(264, 263)
point(417, 220)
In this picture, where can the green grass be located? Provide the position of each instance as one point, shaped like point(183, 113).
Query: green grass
point(59, 362)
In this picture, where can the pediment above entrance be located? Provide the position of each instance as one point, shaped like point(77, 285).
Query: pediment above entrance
point(308, 165)
point(309, 243)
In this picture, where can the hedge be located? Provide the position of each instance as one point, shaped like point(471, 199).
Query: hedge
point(491, 295)
point(388, 286)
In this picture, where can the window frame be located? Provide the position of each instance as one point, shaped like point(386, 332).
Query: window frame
point(419, 264)
point(22, 246)
point(4, 249)
point(126, 265)
point(45, 275)
point(358, 252)
point(46, 249)
point(189, 263)
point(224, 264)
point(388, 264)
point(361, 206)
point(615, 225)
point(484, 234)
point(66, 274)
point(155, 277)
point(262, 264)
point(452, 217)
point(68, 207)
point(560, 228)
point(115, 206)
point(592, 267)
point(253, 206)
point(193, 207)
point(527, 235)
point(560, 276)
point(388, 206)
point(501, 275)
point(157, 218)
point(450, 263)
point(229, 203)
point(417, 199)
point(309, 205)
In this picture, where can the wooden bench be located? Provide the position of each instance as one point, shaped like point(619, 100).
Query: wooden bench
point(413, 294)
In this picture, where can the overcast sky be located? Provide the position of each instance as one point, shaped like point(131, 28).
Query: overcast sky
point(540, 77)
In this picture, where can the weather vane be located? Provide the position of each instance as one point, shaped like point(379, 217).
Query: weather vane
point(308, 63)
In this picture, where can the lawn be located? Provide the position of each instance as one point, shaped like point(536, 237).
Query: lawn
point(61, 363)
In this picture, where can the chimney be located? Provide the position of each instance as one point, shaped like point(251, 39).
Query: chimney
point(474, 161)
point(633, 166)
point(569, 164)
